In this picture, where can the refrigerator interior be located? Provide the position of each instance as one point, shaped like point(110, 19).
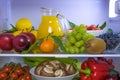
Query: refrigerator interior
point(79, 11)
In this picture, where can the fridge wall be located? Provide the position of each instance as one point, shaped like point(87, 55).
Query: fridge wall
point(79, 11)
point(5, 14)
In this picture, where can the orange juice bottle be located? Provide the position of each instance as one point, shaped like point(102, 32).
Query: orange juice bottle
point(49, 24)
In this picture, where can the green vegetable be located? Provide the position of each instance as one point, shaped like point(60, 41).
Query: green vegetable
point(13, 29)
point(72, 24)
point(112, 71)
point(103, 25)
point(109, 30)
point(77, 77)
point(77, 65)
point(97, 26)
point(57, 40)
point(33, 46)
point(34, 61)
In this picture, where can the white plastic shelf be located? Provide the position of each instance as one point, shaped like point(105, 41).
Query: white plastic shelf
point(59, 55)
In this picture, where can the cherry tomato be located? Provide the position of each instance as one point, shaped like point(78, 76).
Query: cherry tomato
point(26, 68)
point(3, 75)
point(28, 77)
point(18, 65)
point(19, 71)
point(22, 78)
point(11, 64)
point(7, 68)
point(14, 75)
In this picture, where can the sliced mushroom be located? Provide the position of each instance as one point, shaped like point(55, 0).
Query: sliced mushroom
point(55, 64)
point(47, 72)
point(71, 70)
point(62, 66)
point(44, 63)
point(54, 68)
point(49, 66)
point(60, 73)
point(38, 70)
point(67, 67)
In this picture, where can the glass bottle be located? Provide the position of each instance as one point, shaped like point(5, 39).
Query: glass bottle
point(49, 24)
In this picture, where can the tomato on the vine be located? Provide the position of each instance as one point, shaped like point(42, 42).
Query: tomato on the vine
point(19, 71)
point(7, 68)
point(14, 75)
point(28, 77)
point(22, 77)
point(3, 75)
point(26, 69)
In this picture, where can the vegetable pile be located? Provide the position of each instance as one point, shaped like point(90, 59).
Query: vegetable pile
point(54, 68)
point(100, 69)
point(15, 71)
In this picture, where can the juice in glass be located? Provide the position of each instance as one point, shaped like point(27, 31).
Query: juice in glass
point(49, 24)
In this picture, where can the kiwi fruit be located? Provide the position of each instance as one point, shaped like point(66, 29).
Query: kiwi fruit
point(95, 46)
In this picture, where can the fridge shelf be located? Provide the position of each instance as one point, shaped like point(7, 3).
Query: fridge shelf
point(59, 55)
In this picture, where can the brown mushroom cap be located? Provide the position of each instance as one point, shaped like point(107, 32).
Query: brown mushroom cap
point(54, 68)
point(47, 73)
point(71, 70)
point(60, 73)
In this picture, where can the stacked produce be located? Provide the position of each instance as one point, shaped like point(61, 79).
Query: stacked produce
point(90, 27)
point(15, 71)
point(22, 25)
point(96, 27)
point(18, 43)
point(22, 38)
point(76, 40)
point(101, 69)
point(112, 39)
point(54, 68)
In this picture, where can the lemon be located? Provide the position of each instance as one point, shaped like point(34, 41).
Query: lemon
point(17, 33)
point(24, 24)
point(34, 32)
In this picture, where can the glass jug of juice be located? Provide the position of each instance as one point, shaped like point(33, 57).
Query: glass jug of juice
point(49, 24)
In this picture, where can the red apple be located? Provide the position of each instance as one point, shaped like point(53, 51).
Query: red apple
point(20, 43)
point(31, 38)
point(6, 41)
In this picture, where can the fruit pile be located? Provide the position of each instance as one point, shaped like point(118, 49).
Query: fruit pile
point(22, 25)
point(111, 39)
point(90, 27)
point(23, 39)
point(18, 43)
point(93, 27)
point(15, 71)
point(75, 40)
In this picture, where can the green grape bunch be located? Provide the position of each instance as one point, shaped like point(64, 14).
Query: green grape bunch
point(76, 39)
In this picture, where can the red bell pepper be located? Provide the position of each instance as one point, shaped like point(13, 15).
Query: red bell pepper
point(92, 69)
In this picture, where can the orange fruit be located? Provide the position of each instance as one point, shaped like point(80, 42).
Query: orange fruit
point(47, 46)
